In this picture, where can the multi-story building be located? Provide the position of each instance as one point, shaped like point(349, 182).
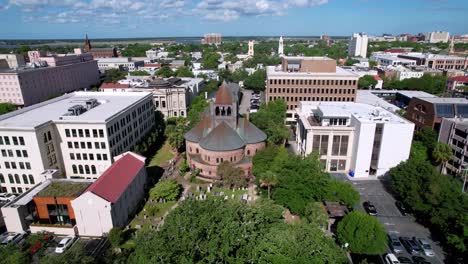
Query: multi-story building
point(77, 134)
point(437, 61)
point(309, 79)
point(13, 60)
point(454, 131)
point(454, 85)
point(358, 45)
point(359, 139)
point(386, 59)
point(437, 36)
point(429, 111)
point(51, 76)
point(123, 63)
point(212, 38)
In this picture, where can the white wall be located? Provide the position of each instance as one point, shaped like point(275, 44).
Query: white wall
point(395, 146)
point(362, 148)
point(93, 215)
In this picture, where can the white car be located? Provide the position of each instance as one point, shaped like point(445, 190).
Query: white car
point(425, 247)
point(64, 244)
point(13, 238)
point(6, 197)
point(391, 259)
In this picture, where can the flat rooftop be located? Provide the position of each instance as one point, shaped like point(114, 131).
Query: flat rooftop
point(277, 71)
point(368, 97)
point(442, 100)
point(64, 189)
point(411, 94)
point(392, 57)
point(306, 58)
point(432, 56)
point(110, 104)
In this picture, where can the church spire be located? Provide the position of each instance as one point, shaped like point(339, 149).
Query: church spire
point(280, 46)
point(452, 46)
point(87, 46)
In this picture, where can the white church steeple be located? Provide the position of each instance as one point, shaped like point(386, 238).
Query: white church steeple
point(280, 46)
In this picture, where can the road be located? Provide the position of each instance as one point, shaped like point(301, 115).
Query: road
point(244, 106)
point(389, 215)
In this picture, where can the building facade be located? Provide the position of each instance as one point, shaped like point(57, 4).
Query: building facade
point(437, 37)
point(211, 38)
point(76, 134)
point(13, 60)
point(454, 132)
point(358, 45)
point(437, 61)
point(124, 63)
point(280, 46)
point(359, 139)
point(309, 79)
point(455, 85)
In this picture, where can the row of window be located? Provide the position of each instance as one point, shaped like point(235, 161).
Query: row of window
point(97, 133)
point(22, 165)
point(312, 82)
point(15, 179)
point(339, 145)
point(19, 153)
point(311, 99)
point(5, 140)
point(86, 169)
point(86, 156)
point(86, 145)
point(313, 90)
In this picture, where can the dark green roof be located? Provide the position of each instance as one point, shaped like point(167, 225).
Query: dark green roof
point(222, 138)
point(250, 133)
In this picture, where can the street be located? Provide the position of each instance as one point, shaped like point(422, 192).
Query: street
point(389, 215)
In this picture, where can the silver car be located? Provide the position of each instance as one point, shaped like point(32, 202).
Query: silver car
point(394, 243)
point(425, 247)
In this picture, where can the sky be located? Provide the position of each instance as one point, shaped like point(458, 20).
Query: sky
point(72, 19)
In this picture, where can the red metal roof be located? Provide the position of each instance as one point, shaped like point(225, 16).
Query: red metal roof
point(223, 95)
point(113, 182)
point(114, 86)
point(459, 79)
point(152, 65)
point(377, 78)
point(395, 51)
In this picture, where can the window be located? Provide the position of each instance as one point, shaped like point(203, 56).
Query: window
point(21, 165)
point(72, 156)
point(87, 169)
point(25, 179)
point(78, 156)
point(95, 133)
point(2, 179)
point(80, 132)
point(83, 145)
point(10, 178)
point(75, 171)
point(28, 165)
point(89, 145)
point(21, 140)
point(67, 132)
point(91, 156)
point(7, 164)
point(103, 145)
point(25, 153)
point(74, 132)
point(70, 145)
point(98, 156)
point(96, 145)
point(104, 156)
point(87, 134)
point(101, 133)
point(7, 140)
point(4, 153)
point(80, 168)
point(93, 169)
point(17, 179)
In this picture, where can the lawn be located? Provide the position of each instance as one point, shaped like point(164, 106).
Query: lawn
point(163, 156)
point(227, 192)
point(153, 211)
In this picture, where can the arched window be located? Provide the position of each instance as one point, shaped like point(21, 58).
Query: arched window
point(10, 178)
point(248, 152)
point(229, 111)
point(75, 171)
point(31, 179)
point(217, 111)
point(87, 169)
point(93, 169)
point(17, 179)
point(25, 178)
point(80, 168)
point(223, 111)
point(2, 179)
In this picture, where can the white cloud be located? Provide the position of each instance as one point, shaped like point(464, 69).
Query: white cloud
point(304, 3)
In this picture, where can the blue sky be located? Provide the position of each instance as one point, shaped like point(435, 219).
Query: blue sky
point(30, 19)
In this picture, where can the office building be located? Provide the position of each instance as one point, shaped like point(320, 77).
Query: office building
point(358, 139)
point(309, 79)
point(47, 76)
point(386, 59)
point(122, 63)
point(437, 37)
point(457, 85)
point(77, 134)
point(437, 61)
point(358, 45)
point(212, 38)
point(13, 60)
point(454, 132)
point(429, 111)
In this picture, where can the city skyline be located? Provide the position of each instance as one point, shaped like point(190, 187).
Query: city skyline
point(46, 19)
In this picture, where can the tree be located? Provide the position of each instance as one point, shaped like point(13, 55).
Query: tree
point(239, 75)
point(270, 118)
point(140, 73)
point(231, 176)
point(256, 81)
point(372, 64)
point(116, 237)
point(315, 214)
point(419, 151)
point(183, 72)
point(339, 191)
point(165, 71)
point(168, 190)
point(263, 160)
point(364, 233)
point(442, 153)
point(7, 107)
point(114, 75)
point(427, 137)
point(268, 179)
point(175, 131)
point(210, 60)
point(196, 109)
point(366, 81)
point(74, 255)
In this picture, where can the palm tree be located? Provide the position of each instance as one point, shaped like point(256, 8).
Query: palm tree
point(442, 153)
point(268, 179)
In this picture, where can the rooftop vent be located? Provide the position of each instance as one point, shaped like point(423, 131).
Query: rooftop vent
point(76, 110)
point(91, 103)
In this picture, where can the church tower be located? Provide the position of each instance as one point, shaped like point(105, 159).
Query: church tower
point(452, 46)
point(280, 46)
point(224, 107)
point(251, 48)
point(87, 45)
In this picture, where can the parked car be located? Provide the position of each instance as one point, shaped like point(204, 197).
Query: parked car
point(394, 243)
point(404, 260)
point(401, 207)
point(410, 245)
point(370, 208)
point(391, 259)
point(424, 246)
point(6, 197)
point(13, 238)
point(420, 260)
point(64, 244)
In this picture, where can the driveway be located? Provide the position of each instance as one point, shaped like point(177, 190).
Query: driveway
point(390, 216)
point(244, 106)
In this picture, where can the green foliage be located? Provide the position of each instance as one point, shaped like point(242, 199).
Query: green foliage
point(175, 131)
point(263, 160)
point(210, 60)
point(427, 137)
point(256, 81)
point(166, 189)
point(442, 152)
point(165, 71)
point(364, 233)
point(116, 236)
point(184, 167)
point(314, 213)
point(114, 75)
point(236, 76)
point(372, 64)
point(74, 255)
point(366, 81)
point(12, 254)
point(419, 151)
point(427, 83)
point(268, 179)
point(6, 108)
point(350, 62)
point(339, 191)
point(183, 71)
point(231, 176)
point(136, 50)
point(211, 86)
point(196, 109)
point(270, 118)
point(140, 73)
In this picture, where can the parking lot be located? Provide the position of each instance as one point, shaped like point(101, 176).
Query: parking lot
point(250, 101)
point(389, 215)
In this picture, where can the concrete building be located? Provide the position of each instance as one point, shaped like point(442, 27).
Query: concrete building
point(437, 37)
point(454, 85)
point(222, 135)
point(77, 134)
point(13, 60)
point(123, 63)
point(309, 79)
point(403, 73)
point(429, 111)
point(212, 38)
point(454, 132)
point(112, 199)
point(358, 139)
point(280, 46)
point(385, 59)
point(437, 61)
point(47, 76)
point(358, 45)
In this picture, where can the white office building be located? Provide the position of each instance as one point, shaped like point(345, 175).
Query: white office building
point(358, 139)
point(385, 59)
point(76, 134)
point(358, 45)
point(437, 36)
point(124, 63)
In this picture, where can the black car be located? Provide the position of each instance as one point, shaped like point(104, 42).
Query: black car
point(405, 260)
point(420, 260)
point(370, 208)
point(410, 245)
point(403, 210)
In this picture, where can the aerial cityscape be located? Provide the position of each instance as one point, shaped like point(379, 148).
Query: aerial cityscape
point(211, 131)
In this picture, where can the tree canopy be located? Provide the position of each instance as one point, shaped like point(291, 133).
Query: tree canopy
point(165, 71)
point(140, 73)
point(427, 83)
point(366, 82)
point(176, 127)
point(270, 118)
point(114, 75)
point(166, 189)
point(6, 108)
point(183, 71)
point(210, 60)
point(256, 81)
point(231, 176)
